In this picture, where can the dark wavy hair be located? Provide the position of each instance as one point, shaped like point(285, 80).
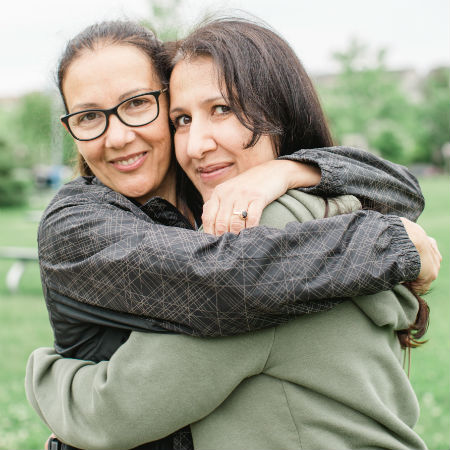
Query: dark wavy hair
point(263, 80)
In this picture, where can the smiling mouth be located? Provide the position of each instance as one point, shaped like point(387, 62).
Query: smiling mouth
point(129, 163)
point(213, 171)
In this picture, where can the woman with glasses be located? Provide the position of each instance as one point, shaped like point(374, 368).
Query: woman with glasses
point(116, 254)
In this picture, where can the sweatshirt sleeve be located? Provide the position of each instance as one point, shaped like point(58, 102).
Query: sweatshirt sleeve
point(159, 383)
point(380, 184)
point(102, 255)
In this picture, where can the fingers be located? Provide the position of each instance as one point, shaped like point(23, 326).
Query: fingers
point(435, 248)
point(222, 213)
point(430, 265)
point(222, 217)
point(255, 210)
point(238, 220)
point(437, 257)
point(430, 256)
point(209, 214)
point(249, 191)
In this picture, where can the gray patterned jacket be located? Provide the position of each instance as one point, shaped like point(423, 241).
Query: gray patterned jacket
point(109, 266)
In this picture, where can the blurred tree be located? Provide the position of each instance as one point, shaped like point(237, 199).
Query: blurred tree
point(366, 98)
point(37, 130)
point(13, 189)
point(33, 127)
point(433, 117)
point(165, 19)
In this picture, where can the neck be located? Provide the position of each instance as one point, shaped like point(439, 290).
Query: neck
point(166, 190)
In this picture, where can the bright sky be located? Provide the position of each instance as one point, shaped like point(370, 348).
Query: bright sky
point(415, 32)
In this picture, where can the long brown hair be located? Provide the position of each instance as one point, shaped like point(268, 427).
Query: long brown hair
point(410, 338)
point(263, 80)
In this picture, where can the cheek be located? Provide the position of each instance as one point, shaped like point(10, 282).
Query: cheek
point(262, 152)
point(157, 137)
point(166, 148)
point(89, 151)
point(180, 151)
point(233, 136)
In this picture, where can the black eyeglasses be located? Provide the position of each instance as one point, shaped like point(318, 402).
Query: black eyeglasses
point(135, 111)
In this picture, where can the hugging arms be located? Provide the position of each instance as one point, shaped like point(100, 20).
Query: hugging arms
point(269, 389)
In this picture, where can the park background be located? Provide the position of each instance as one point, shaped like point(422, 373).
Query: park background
point(382, 72)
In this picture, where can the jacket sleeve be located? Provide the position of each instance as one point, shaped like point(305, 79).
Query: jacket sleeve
point(92, 405)
point(380, 184)
point(105, 256)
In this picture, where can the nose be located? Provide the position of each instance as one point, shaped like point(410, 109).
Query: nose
point(118, 135)
point(201, 139)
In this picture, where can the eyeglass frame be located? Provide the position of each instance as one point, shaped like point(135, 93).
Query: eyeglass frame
point(113, 111)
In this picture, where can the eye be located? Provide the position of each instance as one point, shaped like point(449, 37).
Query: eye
point(181, 121)
point(137, 104)
point(221, 109)
point(88, 118)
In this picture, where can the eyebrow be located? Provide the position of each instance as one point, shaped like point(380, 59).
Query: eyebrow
point(203, 102)
point(124, 96)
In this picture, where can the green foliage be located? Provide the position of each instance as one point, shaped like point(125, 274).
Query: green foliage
point(13, 190)
point(430, 366)
point(33, 122)
point(34, 127)
point(389, 145)
point(367, 99)
point(165, 19)
point(433, 117)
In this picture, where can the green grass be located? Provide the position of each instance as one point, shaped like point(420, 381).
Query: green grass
point(24, 326)
point(430, 369)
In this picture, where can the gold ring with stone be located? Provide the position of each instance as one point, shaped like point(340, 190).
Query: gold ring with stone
point(242, 214)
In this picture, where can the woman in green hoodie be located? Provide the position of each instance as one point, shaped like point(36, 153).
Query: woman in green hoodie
point(332, 380)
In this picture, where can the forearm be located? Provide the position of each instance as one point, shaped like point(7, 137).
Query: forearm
point(194, 279)
point(98, 249)
point(156, 383)
point(381, 185)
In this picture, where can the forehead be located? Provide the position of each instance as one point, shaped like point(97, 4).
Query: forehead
point(194, 74)
point(102, 75)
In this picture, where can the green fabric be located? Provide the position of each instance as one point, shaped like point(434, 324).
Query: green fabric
point(331, 380)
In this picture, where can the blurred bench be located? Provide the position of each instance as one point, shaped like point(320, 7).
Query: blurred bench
point(20, 256)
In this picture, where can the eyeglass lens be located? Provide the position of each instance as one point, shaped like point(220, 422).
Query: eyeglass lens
point(136, 111)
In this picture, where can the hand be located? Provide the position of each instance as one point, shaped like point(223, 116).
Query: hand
point(48, 441)
point(430, 257)
point(252, 191)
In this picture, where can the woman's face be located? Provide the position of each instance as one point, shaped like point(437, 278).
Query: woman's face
point(209, 139)
point(132, 161)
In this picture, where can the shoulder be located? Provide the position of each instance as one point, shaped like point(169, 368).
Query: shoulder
point(86, 192)
point(302, 207)
point(82, 202)
point(396, 308)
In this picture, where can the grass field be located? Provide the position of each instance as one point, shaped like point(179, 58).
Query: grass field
point(24, 326)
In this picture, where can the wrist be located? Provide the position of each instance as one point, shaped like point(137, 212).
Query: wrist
point(300, 175)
